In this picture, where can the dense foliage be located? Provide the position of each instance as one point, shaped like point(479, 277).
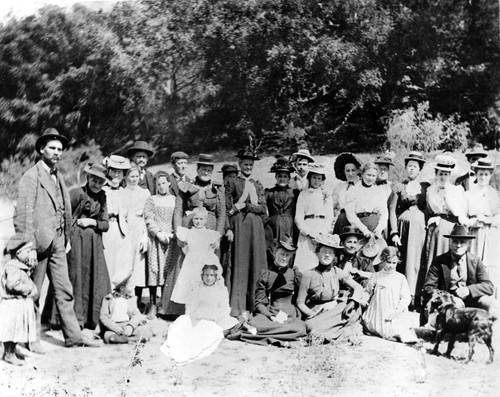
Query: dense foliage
point(198, 74)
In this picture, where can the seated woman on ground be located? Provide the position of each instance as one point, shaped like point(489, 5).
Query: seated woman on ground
point(276, 318)
point(387, 314)
point(327, 318)
point(198, 333)
point(120, 319)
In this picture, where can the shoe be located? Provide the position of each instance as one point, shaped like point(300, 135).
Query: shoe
point(152, 312)
point(118, 339)
point(85, 342)
point(21, 352)
point(36, 347)
point(12, 359)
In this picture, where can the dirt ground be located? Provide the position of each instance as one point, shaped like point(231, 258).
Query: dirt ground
point(369, 366)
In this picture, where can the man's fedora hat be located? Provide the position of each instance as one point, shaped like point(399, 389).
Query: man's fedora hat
point(140, 146)
point(476, 151)
point(460, 231)
point(302, 153)
point(50, 134)
point(205, 159)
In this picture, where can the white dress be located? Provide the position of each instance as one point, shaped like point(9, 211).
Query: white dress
point(485, 201)
point(134, 199)
point(389, 294)
point(198, 253)
point(313, 215)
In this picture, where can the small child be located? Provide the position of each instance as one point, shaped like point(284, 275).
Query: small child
point(120, 318)
point(198, 333)
point(17, 310)
point(199, 245)
point(387, 313)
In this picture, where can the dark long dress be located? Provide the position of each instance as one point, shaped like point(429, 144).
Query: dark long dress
point(248, 251)
point(319, 288)
point(280, 203)
point(87, 268)
point(276, 290)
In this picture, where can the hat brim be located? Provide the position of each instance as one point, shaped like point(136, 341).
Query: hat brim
point(343, 236)
point(407, 159)
point(437, 167)
point(287, 246)
point(247, 157)
point(132, 151)
point(466, 236)
point(340, 163)
point(40, 142)
point(205, 163)
point(310, 158)
point(95, 173)
point(476, 154)
point(384, 162)
point(276, 170)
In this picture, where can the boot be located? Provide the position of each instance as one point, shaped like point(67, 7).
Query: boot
point(152, 312)
point(9, 354)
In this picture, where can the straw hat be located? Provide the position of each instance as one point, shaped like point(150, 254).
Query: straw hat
point(444, 162)
point(96, 170)
point(476, 151)
point(302, 153)
point(116, 162)
point(328, 240)
point(483, 164)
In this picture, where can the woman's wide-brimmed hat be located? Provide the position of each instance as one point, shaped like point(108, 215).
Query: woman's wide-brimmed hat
point(348, 231)
point(50, 134)
point(205, 159)
point(286, 242)
point(316, 169)
point(247, 153)
point(444, 162)
point(384, 159)
point(304, 153)
point(116, 162)
point(178, 156)
point(281, 165)
point(328, 240)
point(340, 163)
point(140, 146)
point(460, 231)
point(415, 156)
point(228, 169)
point(96, 170)
point(483, 164)
point(476, 151)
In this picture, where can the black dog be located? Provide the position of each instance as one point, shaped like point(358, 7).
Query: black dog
point(476, 323)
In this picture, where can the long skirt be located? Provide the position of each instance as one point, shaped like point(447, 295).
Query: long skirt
point(187, 342)
point(333, 324)
point(88, 274)
point(341, 222)
point(118, 253)
point(248, 260)
point(486, 246)
point(305, 256)
point(172, 271)
point(18, 321)
point(411, 226)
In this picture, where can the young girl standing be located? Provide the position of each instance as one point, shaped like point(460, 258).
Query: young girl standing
point(387, 313)
point(17, 311)
point(199, 245)
point(158, 215)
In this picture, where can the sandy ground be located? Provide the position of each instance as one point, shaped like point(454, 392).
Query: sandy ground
point(368, 367)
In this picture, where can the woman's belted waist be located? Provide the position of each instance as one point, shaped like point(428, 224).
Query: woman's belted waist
point(448, 217)
point(314, 217)
point(366, 214)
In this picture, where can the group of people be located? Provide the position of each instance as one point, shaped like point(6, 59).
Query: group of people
point(232, 259)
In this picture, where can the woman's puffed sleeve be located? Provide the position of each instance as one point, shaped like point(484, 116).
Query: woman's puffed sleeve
point(149, 217)
point(300, 213)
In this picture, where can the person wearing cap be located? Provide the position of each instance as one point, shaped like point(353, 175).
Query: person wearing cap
point(88, 272)
point(139, 154)
point(327, 317)
point(483, 218)
point(280, 200)
point(383, 162)
point(407, 206)
point(116, 241)
point(43, 214)
point(313, 215)
point(300, 161)
point(275, 316)
point(445, 206)
point(467, 180)
point(17, 291)
point(460, 273)
point(179, 162)
point(347, 168)
point(366, 207)
point(246, 208)
point(349, 259)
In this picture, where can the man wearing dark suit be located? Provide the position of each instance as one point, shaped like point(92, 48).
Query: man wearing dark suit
point(43, 215)
point(140, 154)
point(461, 273)
point(179, 181)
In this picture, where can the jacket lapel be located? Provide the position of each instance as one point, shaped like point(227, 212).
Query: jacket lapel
point(46, 182)
point(446, 266)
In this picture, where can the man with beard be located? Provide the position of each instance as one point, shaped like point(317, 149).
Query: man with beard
point(140, 154)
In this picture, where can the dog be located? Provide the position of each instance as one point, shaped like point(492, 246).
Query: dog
point(453, 320)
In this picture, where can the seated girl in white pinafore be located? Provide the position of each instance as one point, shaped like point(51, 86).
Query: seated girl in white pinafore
point(199, 245)
point(198, 333)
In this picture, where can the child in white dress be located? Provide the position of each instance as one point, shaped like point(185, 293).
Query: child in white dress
point(387, 313)
point(199, 245)
point(17, 311)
